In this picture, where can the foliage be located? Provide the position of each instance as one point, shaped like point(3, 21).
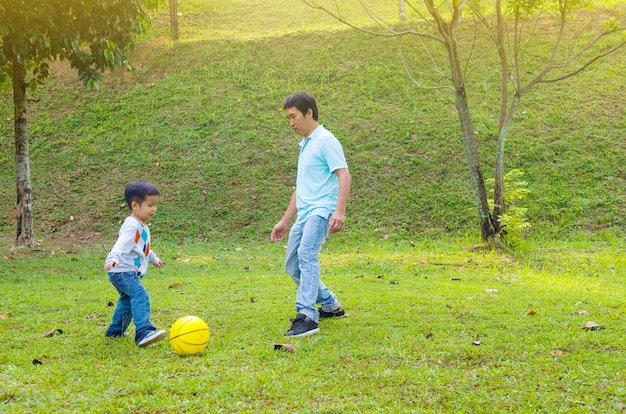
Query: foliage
point(92, 35)
point(431, 327)
point(514, 222)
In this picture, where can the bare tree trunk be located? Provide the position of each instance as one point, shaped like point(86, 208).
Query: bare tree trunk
point(498, 190)
point(487, 225)
point(24, 234)
point(174, 19)
point(401, 10)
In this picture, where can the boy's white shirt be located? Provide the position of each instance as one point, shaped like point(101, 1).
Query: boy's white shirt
point(132, 252)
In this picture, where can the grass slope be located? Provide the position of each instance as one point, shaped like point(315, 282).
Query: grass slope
point(203, 120)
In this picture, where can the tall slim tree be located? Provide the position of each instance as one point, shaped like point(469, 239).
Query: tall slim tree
point(93, 35)
point(512, 26)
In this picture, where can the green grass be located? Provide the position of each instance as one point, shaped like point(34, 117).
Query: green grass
point(406, 345)
point(202, 119)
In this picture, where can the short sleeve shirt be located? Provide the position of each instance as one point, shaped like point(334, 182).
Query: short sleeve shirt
point(317, 186)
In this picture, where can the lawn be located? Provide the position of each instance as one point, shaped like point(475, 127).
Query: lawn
point(439, 327)
point(436, 323)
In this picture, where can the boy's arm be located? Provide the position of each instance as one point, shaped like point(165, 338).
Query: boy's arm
point(124, 244)
point(154, 259)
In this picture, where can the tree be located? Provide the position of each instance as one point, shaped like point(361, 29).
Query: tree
point(512, 27)
point(93, 35)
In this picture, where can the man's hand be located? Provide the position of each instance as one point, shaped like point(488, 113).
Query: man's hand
point(336, 222)
point(278, 232)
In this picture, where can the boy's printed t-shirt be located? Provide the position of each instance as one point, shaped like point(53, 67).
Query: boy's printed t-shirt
point(132, 251)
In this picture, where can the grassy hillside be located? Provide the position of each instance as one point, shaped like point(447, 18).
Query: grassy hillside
point(203, 120)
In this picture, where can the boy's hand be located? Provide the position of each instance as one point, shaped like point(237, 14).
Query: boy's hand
point(110, 265)
point(158, 265)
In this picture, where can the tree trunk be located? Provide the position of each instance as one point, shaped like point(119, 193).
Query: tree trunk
point(24, 234)
point(401, 10)
point(487, 227)
point(498, 190)
point(174, 19)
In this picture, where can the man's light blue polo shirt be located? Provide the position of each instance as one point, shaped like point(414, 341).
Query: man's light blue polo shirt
point(317, 186)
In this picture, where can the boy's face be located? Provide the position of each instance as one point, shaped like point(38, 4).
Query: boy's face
point(146, 210)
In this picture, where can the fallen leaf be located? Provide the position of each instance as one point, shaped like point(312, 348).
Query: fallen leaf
point(51, 332)
point(92, 315)
point(5, 315)
point(238, 249)
point(491, 290)
point(423, 261)
point(385, 236)
point(477, 342)
point(175, 285)
point(37, 362)
point(531, 312)
point(592, 326)
point(581, 312)
point(556, 352)
point(109, 303)
point(284, 347)
point(252, 300)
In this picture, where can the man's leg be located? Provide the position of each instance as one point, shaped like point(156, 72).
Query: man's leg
point(310, 288)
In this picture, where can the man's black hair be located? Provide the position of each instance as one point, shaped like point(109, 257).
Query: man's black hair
point(301, 101)
point(137, 191)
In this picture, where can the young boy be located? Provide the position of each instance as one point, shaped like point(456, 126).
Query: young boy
point(128, 262)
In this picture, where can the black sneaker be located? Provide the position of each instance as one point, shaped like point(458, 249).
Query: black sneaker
point(302, 326)
point(334, 314)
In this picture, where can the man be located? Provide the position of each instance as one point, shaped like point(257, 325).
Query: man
point(319, 206)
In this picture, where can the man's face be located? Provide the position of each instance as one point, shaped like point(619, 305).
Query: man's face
point(302, 124)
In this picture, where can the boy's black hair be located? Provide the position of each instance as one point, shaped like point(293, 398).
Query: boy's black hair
point(138, 191)
point(301, 101)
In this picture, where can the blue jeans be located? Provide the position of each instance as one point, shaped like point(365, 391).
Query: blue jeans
point(133, 304)
point(301, 262)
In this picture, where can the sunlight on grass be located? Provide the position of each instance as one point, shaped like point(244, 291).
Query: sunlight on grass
point(218, 20)
point(430, 326)
point(435, 322)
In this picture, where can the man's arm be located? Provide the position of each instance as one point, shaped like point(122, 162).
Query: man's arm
point(338, 220)
point(279, 230)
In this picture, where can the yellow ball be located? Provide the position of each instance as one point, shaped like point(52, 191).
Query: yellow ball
point(189, 335)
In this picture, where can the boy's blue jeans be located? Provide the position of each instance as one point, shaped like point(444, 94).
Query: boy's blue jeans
point(301, 262)
point(133, 304)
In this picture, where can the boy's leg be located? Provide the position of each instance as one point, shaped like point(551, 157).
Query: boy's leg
point(140, 308)
point(122, 314)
